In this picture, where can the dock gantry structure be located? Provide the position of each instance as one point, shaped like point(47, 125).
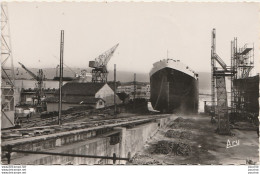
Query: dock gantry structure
point(7, 72)
point(218, 87)
point(241, 104)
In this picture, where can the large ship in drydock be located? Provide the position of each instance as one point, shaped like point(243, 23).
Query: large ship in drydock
point(174, 87)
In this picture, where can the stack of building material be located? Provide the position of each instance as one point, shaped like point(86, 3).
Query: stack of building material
point(170, 147)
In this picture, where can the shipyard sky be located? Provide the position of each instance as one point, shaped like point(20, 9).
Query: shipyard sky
point(182, 92)
point(144, 31)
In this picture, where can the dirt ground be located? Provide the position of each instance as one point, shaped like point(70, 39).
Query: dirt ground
point(203, 145)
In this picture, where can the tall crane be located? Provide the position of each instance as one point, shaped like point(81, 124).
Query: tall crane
point(8, 91)
point(99, 65)
point(242, 62)
point(39, 78)
point(218, 87)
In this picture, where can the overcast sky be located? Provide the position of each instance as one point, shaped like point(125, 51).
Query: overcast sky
point(144, 31)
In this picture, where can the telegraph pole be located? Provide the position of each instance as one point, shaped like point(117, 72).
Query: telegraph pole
point(115, 89)
point(134, 89)
point(213, 65)
point(61, 73)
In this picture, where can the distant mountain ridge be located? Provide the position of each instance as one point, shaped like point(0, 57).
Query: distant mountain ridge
point(122, 76)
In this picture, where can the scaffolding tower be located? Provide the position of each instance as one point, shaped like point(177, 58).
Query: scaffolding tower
point(244, 87)
point(7, 73)
point(242, 62)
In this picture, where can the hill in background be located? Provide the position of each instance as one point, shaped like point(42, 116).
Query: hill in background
point(123, 76)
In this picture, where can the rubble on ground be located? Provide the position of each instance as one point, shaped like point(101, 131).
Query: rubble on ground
point(170, 147)
point(182, 123)
point(187, 120)
point(178, 134)
point(139, 159)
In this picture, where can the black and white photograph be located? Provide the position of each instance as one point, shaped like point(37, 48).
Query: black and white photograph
point(129, 83)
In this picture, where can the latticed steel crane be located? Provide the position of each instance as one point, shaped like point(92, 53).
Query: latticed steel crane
point(99, 65)
point(8, 99)
point(39, 94)
point(218, 87)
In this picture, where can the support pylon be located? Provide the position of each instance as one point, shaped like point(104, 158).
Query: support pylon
point(222, 106)
point(218, 86)
point(7, 72)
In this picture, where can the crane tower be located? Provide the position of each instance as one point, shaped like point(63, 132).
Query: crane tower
point(7, 72)
point(99, 65)
point(218, 87)
point(39, 90)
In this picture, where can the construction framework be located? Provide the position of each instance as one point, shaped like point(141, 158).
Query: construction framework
point(242, 62)
point(7, 72)
point(218, 86)
point(244, 99)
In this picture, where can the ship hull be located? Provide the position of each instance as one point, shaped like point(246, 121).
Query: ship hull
point(173, 91)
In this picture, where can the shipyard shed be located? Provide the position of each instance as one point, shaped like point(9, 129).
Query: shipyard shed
point(71, 101)
point(96, 95)
point(28, 96)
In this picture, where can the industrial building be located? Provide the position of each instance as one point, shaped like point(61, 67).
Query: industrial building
point(28, 95)
point(96, 95)
point(138, 90)
point(71, 101)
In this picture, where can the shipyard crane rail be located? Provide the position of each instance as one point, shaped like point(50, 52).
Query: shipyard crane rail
point(99, 65)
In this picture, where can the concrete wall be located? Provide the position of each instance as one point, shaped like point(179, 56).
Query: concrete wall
point(136, 137)
point(98, 147)
point(131, 141)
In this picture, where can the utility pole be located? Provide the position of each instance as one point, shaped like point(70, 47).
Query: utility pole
point(134, 89)
point(115, 89)
point(57, 70)
point(213, 65)
point(61, 73)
